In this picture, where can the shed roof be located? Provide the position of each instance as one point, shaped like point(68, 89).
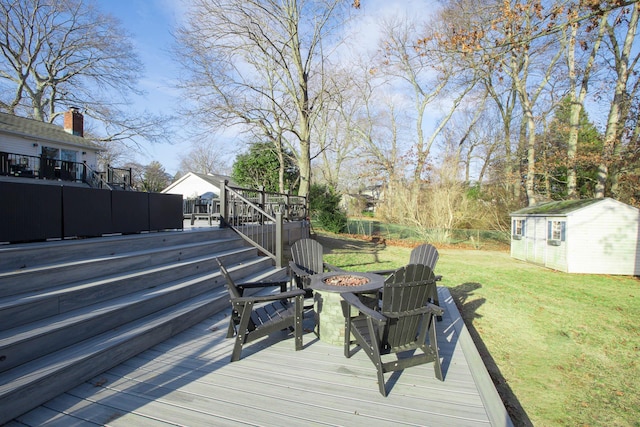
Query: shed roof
point(30, 128)
point(561, 207)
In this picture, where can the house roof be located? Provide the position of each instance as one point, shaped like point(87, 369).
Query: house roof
point(39, 130)
point(212, 179)
point(561, 207)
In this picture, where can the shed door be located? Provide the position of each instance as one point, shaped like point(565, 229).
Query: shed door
point(539, 246)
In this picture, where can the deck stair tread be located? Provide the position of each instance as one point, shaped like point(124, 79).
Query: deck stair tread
point(65, 329)
point(81, 285)
point(34, 278)
point(70, 270)
point(46, 326)
point(53, 362)
point(26, 255)
point(111, 257)
point(66, 356)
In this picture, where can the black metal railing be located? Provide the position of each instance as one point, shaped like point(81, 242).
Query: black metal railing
point(258, 216)
point(119, 178)
point(41, 167)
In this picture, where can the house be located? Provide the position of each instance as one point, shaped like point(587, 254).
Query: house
point(35, 149)
point(194, 185)
point(366, 200)
point(595, 236)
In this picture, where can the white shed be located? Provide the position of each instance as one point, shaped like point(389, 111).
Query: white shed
point(595, 236)
point(193, 185)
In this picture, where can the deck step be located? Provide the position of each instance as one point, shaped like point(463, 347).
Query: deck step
point(75, 308)
point(45, 276)
point(32, 384)
point(29, 341)
point(35, 305)
point(28, 255)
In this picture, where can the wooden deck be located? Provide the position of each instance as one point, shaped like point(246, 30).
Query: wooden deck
point(188, 380)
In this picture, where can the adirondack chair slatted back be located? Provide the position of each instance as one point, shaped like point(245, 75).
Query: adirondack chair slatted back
point(404, 294)
point(424, 254)
point(234, 292)
point(400, 323)
point(307, 254)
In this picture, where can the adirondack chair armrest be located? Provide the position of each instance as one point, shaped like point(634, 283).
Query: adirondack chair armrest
point(435, 309)
point(353, 300)
point(383, 272)
point(329, 267)
point(267, 298)
point(282, 284)
point(297, 270)
point(388, 272)
point(427, 309)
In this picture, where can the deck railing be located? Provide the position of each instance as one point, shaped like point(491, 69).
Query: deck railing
point(258, 216)
point(41, 167)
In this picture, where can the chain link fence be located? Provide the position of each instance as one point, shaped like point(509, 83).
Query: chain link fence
point(387, 231)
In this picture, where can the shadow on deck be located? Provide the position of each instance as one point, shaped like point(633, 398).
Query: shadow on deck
point(188, 380)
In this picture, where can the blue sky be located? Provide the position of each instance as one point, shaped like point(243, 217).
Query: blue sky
point(150, 23)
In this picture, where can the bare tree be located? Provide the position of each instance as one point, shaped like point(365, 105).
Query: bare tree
point(574, 40)
point(61, 54)
point(376, 124)
point(339, 127)
point(203, 157)
point(420, 66)
point(622, 46)
point(258, 64)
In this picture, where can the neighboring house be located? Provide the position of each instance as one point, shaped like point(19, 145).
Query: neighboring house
point(595, 236)
point(35, 149)
point(194, 185)
point(366, 199)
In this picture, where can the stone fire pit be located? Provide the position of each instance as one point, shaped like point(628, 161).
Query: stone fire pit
point(327, 300)
point(346, 280)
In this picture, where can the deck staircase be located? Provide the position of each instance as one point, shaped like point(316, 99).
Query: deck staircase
point(72, 309)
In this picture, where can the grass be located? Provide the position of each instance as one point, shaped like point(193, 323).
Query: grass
point(561, 348)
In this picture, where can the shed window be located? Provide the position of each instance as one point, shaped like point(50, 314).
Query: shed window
point(556, 231)
point(518, 228)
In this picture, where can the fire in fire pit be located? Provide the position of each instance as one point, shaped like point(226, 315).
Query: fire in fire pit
point(346, 280)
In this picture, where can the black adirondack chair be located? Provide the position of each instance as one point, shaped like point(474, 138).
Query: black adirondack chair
point(306, 261)
point(425, 254)
point(254, 317)
point(401, 322)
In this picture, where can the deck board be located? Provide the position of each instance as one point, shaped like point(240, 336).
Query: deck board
point(188, 380)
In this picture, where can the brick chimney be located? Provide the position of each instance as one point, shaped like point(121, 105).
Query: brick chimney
point(74, 122)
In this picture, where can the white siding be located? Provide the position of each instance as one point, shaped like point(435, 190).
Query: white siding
point(604, 239)
point(19, 145)
point(24, 145)
point(192, 186)
point(600, 238)
point(556, 256)
point(519, 246)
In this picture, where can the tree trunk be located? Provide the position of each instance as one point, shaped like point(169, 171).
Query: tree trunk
point(622, 60)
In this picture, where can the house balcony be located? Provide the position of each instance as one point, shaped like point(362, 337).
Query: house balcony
point(40, 167)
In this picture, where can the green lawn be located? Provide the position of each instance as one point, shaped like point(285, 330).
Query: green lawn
point(562, 348)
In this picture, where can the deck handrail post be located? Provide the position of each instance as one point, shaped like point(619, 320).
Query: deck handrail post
point(224, 206)
point(287, 206)
point(279, 249)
